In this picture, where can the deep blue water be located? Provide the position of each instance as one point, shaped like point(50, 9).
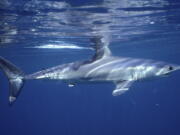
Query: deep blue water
point(37, 34)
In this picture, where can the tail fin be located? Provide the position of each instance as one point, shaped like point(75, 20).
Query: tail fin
point(15, 77)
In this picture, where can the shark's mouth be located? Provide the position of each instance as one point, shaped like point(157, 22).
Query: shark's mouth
point(166, 74)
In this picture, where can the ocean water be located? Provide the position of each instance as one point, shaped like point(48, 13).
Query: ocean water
point(37, 34)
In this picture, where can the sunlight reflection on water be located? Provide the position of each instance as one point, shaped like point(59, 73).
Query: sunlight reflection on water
point(37, 22)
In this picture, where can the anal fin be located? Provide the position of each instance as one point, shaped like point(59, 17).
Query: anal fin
point(71, 85)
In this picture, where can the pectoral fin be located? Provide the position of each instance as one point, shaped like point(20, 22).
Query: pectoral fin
point(121, 87)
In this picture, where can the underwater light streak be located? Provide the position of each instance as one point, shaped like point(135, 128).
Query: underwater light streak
point(56, 46)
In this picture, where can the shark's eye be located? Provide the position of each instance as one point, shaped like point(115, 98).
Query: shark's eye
point(170, 68)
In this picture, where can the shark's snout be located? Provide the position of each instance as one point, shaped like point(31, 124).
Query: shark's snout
point(173, 68)
point(167, 69)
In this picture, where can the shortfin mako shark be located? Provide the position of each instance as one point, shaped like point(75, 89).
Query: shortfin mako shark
point(102, 67)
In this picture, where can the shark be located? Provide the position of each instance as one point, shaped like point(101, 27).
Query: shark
point(102, 67)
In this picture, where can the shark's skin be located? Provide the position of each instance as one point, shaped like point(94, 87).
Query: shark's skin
point(106, 69)
point(103, 67)
point(122, 71)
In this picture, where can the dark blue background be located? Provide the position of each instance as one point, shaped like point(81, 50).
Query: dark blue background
point(51, 107)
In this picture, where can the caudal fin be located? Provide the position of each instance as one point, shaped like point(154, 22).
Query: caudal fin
point(15, 77)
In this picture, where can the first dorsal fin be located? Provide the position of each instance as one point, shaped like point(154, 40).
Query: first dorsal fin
point(101, 46)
